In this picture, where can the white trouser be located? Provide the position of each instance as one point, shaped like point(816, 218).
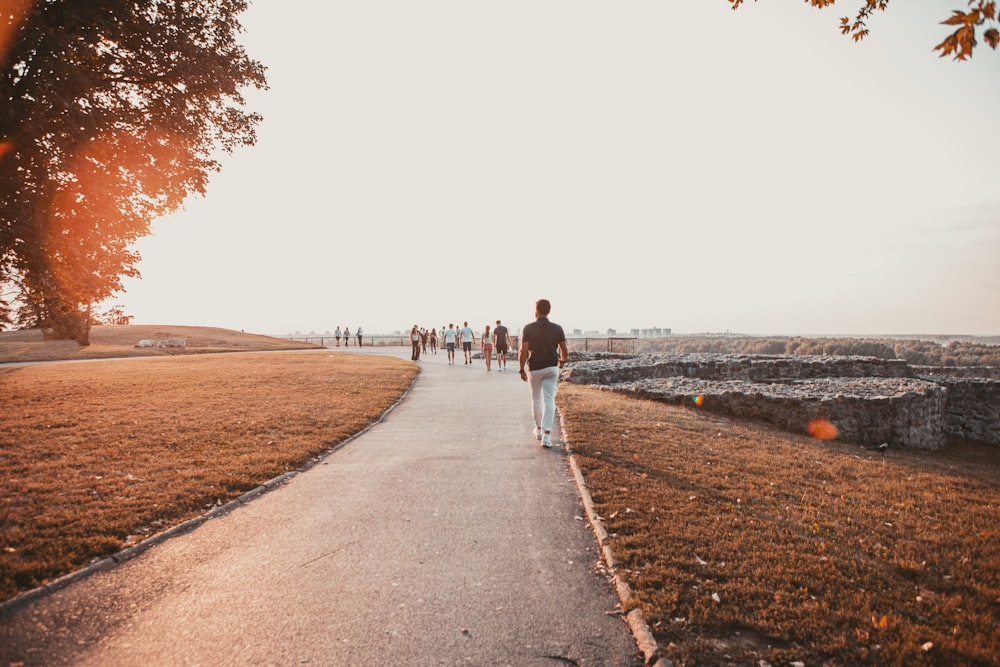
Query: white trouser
point(543, 396)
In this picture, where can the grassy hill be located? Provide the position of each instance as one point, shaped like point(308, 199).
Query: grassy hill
point(120, 341)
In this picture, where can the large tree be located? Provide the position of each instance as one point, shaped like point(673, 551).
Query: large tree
point(110, 114)
point(980, 15)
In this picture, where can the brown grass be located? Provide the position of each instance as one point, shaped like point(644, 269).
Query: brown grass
point(743, 543)
point(120, 341)
point(96, 456)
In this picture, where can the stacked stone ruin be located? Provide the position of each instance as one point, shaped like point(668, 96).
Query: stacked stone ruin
point(869, 400)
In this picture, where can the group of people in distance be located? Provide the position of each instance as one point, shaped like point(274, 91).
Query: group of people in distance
point(542, 353)
point(346, 333)
point(490, 341)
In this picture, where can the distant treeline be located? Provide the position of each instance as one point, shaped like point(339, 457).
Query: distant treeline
point(915, 352)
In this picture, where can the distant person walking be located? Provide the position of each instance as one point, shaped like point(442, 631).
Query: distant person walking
point(415, 343)
point(487, 342)
point(501, 342)
point(359, 336)
point(450, 336)
point(337, 334)
point(544, 351)
point(434, 341)
point(347, 336)
point(468, 338)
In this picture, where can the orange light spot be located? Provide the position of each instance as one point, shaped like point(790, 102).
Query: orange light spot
point(15, 11)
point(822, 429)
point(698, 400)
point(5, 146)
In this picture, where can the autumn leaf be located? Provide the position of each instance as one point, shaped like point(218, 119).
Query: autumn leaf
point(992, 37)
point(957, 18)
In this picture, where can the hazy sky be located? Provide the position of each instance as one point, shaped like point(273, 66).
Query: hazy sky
point(643, 164)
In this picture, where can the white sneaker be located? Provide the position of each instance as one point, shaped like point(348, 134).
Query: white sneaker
point(546, 440)
point(538, 433)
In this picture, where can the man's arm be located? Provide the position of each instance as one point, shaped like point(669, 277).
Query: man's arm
point(522, 359)
point(563, 353)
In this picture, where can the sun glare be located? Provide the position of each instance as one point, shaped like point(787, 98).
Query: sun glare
point(16, 11)
point(822, 429)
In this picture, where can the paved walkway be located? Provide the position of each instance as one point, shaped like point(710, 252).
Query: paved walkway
point(445, 535)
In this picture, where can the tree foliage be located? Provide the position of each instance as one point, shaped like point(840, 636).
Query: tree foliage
point(113, 315)
point(110, 114)
point(981, 15)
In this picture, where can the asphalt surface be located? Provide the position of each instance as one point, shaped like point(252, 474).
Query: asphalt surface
point(444, 535)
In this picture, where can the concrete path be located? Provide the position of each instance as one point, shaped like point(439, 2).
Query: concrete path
point(445, 535)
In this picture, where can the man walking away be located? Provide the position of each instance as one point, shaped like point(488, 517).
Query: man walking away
point(501, 343)
point(543, 349)
point(468, 338)
point(449, 341)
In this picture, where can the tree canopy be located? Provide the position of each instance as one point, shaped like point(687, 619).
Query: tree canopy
point(981, 15)
point(110, 114)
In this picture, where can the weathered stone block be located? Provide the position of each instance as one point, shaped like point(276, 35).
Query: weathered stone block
point(869, 400)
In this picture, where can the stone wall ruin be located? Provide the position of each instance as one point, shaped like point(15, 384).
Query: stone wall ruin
point(869, 400)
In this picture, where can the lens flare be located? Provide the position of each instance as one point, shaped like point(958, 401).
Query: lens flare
point(822, 429)
point(698, 400)
point(15, 12)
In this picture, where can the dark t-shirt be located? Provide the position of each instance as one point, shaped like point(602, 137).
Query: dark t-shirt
point(543, 338)
point(501, 334)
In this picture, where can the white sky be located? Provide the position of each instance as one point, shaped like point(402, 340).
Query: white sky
point(642, 164)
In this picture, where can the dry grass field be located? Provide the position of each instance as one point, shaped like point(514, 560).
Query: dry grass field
point(745, 545)
point(94, 457)
point(120, 341)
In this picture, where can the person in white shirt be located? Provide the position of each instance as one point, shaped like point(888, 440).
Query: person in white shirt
point(415, 343)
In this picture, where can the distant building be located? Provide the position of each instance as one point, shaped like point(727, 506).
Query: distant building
point(655, 332)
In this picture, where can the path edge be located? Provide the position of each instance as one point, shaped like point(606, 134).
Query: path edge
point(637, 624)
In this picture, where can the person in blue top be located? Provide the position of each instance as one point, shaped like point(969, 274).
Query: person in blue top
point(450, 335)
point(543, 350)
point(468, 338)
